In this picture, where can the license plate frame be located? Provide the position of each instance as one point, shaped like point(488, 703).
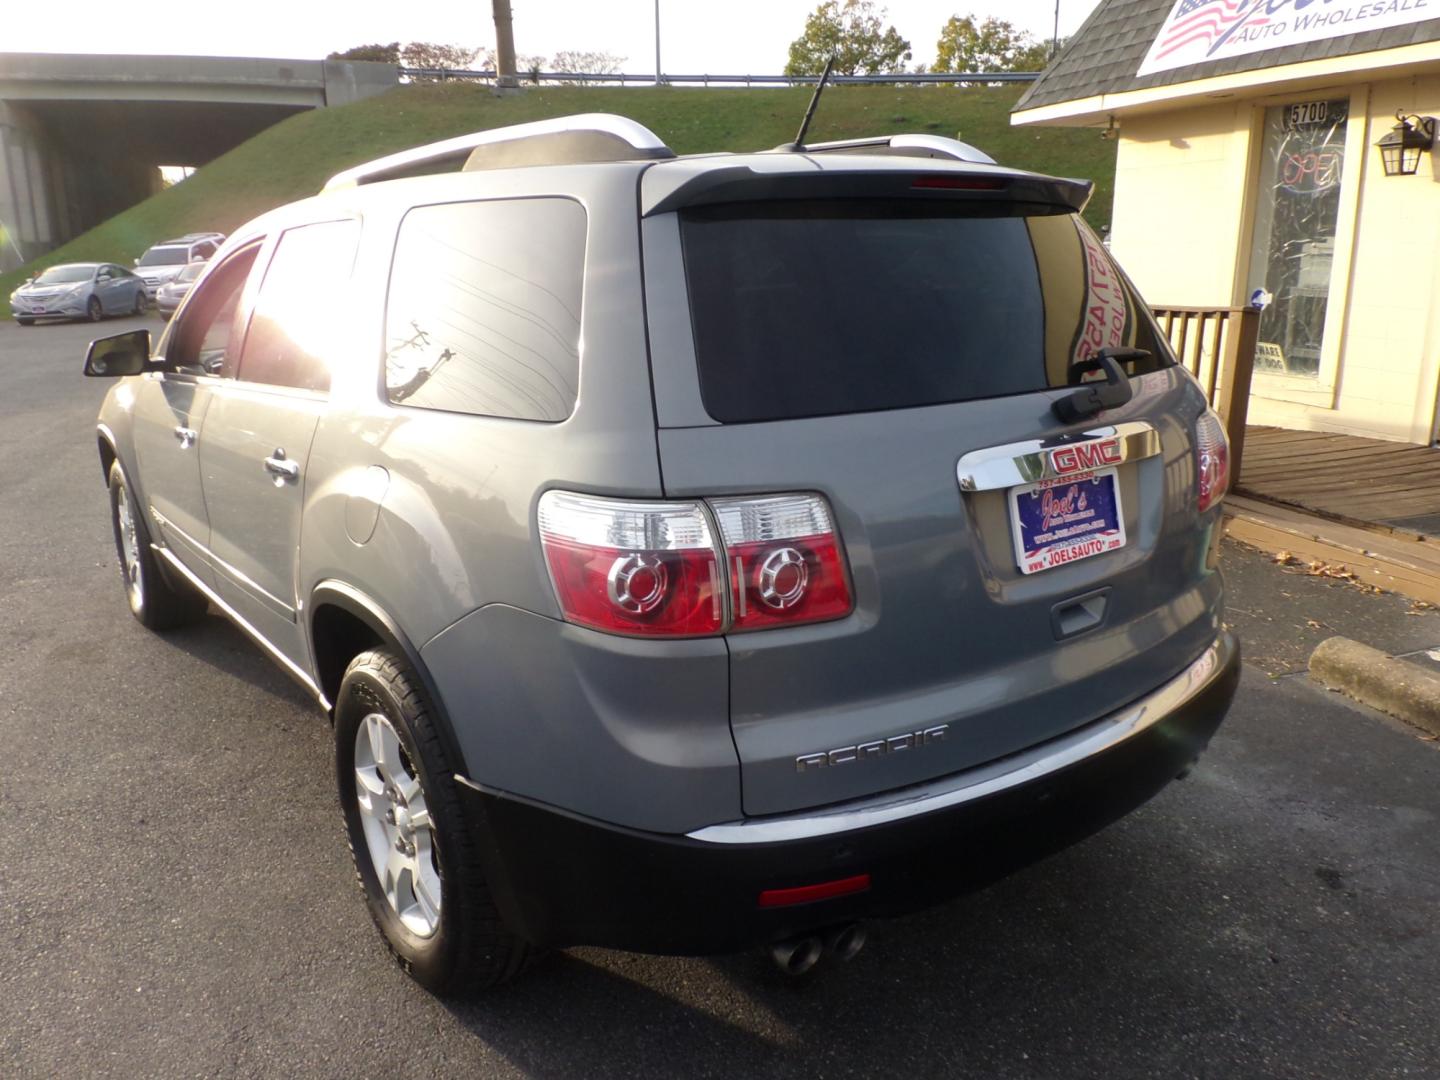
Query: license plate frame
point(1087, 509)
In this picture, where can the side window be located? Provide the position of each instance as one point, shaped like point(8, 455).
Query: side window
point(484, 309)
point(200, 344)
point(296, 312)
point(202, 251)
point(103, 274)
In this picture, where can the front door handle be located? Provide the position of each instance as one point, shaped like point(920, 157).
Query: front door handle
point(281, 467)
point(186, 436)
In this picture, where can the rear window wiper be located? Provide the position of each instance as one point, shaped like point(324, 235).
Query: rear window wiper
point(1091, 398)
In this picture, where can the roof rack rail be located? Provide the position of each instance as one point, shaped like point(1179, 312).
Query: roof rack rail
point(924, 146)
point(566, 140)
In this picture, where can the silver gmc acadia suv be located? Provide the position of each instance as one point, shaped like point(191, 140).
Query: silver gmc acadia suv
point(693, 553)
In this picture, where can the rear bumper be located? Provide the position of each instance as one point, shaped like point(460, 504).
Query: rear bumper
point(565, 880)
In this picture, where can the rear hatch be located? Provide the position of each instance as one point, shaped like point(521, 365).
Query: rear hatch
point(898, 353)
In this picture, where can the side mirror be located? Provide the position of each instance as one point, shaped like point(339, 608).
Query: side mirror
point(122, 354)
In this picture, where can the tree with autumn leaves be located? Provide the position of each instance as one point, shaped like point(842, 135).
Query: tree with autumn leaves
point(856, 34)
point(967, 44)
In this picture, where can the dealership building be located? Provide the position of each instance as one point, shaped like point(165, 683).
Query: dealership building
point(1280, 153)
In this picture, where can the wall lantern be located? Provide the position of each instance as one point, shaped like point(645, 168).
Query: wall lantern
point(1400, 150)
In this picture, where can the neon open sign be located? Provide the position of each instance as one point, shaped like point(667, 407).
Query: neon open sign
point(1313, 170)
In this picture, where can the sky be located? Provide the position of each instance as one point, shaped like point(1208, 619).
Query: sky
point(723, 37)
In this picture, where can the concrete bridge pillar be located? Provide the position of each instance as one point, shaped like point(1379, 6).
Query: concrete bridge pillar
point(27, 218)
point(82, 137)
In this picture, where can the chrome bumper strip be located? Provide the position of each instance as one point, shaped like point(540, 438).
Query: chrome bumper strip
point(986, 780)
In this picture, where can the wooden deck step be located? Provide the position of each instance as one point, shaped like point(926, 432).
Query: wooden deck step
point(1386, 485)
point(1409, 566)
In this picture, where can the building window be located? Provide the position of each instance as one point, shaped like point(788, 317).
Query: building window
point(1302, 166)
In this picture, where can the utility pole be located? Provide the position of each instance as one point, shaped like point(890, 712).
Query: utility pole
point(658, 79)
point(1055, 41)
point(504, 47)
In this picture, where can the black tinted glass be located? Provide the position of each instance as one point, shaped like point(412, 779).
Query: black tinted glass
point(165, 256)
point(296, 316)
point(827, 307)
point(484, 308)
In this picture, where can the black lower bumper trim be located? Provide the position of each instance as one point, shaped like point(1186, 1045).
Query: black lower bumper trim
point(562, 880)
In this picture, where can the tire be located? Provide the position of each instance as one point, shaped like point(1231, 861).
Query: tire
point(139, 302)
point(93, 311)
point(388, 751)
point(154, 600)
point(26, 322)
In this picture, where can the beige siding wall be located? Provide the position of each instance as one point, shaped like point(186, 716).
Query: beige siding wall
point(1387, 378)
point(1179, 189)
point(1180, 229)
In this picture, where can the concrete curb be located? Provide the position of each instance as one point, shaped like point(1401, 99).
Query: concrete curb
point(1405, 691)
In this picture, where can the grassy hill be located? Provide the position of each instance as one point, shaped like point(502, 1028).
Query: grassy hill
point(294, 158)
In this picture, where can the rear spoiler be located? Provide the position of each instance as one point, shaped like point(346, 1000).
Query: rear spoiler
point(670, 188)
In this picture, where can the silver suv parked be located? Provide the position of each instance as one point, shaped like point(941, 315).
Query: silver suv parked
point(164, 261)
point(692, 553)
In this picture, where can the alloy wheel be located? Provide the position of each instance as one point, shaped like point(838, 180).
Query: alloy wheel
point(129, 543)
point(399, 834)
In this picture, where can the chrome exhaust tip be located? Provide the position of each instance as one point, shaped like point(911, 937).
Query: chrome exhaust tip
point(845, 942)
point(797, 955)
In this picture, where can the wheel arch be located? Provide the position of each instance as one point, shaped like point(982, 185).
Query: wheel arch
point(108, 454)
point(335, 605)
point(343, 623)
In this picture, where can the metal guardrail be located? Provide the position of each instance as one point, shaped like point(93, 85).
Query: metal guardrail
point(928, 78)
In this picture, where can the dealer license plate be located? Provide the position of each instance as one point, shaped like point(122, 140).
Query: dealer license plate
point(1066, 519)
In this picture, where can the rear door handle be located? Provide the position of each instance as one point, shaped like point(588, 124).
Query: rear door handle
point(186, 436)
point(282, 468)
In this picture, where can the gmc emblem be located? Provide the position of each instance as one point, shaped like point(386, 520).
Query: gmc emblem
point(1083, 457)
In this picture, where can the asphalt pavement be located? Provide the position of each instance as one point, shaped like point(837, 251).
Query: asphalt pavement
point(176, 899)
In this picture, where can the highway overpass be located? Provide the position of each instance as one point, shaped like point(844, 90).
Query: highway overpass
point(82, 136)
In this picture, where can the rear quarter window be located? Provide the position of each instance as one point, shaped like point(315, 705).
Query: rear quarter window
point(816, 308)
point(483, 314)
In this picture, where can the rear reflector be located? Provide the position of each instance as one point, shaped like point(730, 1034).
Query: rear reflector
point(808, 894)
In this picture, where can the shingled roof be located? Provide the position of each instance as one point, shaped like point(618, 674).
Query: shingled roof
point(1106, 51)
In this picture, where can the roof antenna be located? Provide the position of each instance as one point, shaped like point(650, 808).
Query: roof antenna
point(798, 146)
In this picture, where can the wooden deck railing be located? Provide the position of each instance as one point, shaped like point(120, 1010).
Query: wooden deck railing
point(1218, 346)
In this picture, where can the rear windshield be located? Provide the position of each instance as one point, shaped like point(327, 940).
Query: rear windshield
point(827, 307)
point(165, 256)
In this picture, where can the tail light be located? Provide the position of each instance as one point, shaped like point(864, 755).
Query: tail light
point(783, 559)
point(655, 569)
point(646, 568)
point(1212, 460)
